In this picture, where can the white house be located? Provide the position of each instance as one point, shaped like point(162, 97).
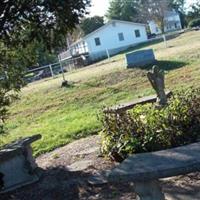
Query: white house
point(111, 38)
point(172, 22)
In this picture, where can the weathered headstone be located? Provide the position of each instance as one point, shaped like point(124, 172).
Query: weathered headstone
point(157, 80)
point(140, 58)
point(17, 165)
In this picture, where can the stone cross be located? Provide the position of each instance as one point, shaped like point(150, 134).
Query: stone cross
point(156, 78)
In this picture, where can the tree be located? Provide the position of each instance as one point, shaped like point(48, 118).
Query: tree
point(194, 12)
point(39, 55)
point(124, 10)
point(155, 10)
point(179, 6)
point(90, 24)
point(194, 23)
point(26, 23)
point(46, 19)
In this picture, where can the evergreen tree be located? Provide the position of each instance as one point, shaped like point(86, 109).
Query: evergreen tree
point(124, 10)
point(90, 24)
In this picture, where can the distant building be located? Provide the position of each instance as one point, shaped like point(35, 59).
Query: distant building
point(172, 22)
point(111, 38)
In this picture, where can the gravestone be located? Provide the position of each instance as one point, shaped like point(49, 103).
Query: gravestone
point(17, 165)
point(140, 58)
point(157, 80)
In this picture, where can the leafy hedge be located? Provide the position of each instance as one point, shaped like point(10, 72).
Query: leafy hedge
point(146, 129)
point(194, 23)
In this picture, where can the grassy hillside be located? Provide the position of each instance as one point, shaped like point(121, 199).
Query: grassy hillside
point(65, 114)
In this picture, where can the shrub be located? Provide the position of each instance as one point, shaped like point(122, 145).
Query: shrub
point(194, 23)
point(146, 129)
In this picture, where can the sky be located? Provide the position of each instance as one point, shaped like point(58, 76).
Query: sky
point(99, 7)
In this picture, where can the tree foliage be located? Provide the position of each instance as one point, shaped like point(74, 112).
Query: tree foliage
point(177, 5)
point(90, 24)
point(155, 10)
point(144, 10)
point(124, 10)
point(194, 23)
point(146, 128)
point(45, 18)
point(27, 29)
point(194, 12)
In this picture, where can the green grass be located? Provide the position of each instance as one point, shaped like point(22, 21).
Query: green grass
point(62, 115)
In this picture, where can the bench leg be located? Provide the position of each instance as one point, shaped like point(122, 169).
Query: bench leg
point(149, 190)
point(30, 161)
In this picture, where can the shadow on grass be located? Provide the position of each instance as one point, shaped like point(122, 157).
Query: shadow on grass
point(165, 65)
point(170, 65)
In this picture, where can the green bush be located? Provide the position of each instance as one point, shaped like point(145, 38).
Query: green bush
point(146, 128)
point(194, 23)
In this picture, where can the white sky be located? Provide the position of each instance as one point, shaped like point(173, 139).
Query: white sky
point(99, 7)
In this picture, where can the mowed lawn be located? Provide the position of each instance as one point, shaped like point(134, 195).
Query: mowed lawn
point(62, 115)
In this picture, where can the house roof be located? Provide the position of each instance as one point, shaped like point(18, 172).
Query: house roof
point(106, 25)
point(110, 22)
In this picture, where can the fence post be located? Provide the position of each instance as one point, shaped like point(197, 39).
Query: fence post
point(50, 67)
point(107, 52)
point(61, 67)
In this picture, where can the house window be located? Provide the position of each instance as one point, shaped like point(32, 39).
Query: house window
point(137, 33)
point(97, 41)
point(121, 36)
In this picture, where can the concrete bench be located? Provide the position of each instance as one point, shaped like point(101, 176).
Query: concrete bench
point(17, 165)
point(146, 169)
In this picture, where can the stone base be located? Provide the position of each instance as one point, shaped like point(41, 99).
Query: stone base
point(17, 165)
point(22, 184)
point(149, 190)
point(16, 173)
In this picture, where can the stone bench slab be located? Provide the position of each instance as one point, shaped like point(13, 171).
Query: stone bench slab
point(156, 165)
point(129, 105)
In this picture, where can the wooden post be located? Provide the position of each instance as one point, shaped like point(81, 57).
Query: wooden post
point(165, 41)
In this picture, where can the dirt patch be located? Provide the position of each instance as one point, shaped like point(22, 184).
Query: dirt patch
point(59, 182)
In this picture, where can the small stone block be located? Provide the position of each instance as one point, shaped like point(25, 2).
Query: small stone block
point(80, 165)
point(17, 165)
point(97, 180)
